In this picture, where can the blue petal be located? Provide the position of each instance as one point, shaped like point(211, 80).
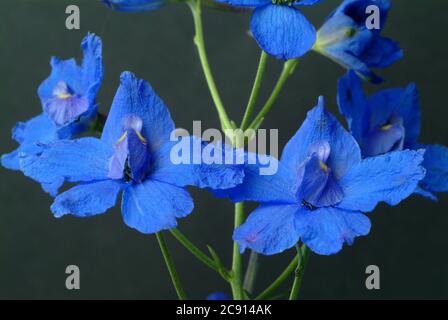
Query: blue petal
point(245, 3)
point(218, 296)
point(187, 172)
point(84, 160)
point(87, 200)
point(280, 187)
point(282, 31)
point(37, 129)
point(425, 193)
point(153, 206)
point(134, 5)
point(381, 52)
point(322, 126)
point(136, 97)
point(356, 10)
point(390, 178)
point(436, 165)
point(270, 229)
point(325, 230)
point(92, 65)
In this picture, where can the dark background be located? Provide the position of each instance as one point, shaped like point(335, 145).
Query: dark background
point(409, 242)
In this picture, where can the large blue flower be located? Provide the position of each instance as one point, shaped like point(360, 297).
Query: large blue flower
point(321, 189)
point(133, 156)
point(346, 39)
point(134, 5)
point(390, 120)
point(278, 27)
point(68, 101)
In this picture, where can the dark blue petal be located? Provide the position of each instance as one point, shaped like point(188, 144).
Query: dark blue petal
point(136, 98)
point(321, 126)
point(325, 230)
point(37, 129)
point(218, 296)
point(84, 160)
point(381, 52)
point(203, 174)
point(356, 10)
point(153, 206)
point(270, 229)
point(134, 5)
point(87, 200)
point(384, 139)
point(282, 31)
point(390, 178)
point(436, 165)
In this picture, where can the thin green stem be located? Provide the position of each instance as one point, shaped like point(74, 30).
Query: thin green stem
point(170, 266)
point(281, 278)
point(251, 272)
point(255, 90)
point(303, 254)
point(237, 266)
point(288, 69)
point(198, 253)
point(195, 6)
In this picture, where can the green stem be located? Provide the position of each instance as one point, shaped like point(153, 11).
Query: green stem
point(281, 278)
point(198, 253)
point(237, 266)
point(288, 69)
point(251, 272)
point(303, 254)
point(170, 266)
point(195, 6)
point(255, 90)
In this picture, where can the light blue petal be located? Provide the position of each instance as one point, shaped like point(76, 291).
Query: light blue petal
point(390, 178)
point(204, 174)
point(436, 165)
point(83, 160)
point(282, 31)
point(270, 229)
point(325, 230)
point(319, 126)
point(87, 200)
point(136, 97)
point(152, 206)
point(92, 65)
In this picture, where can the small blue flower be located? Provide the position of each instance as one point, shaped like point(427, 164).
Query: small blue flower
point(278, 27)
point(134, 5)
point(133, 156)
point(68, 101)
point(390, 120)
point(218, 296)
point(321, 189)
point(345, 38)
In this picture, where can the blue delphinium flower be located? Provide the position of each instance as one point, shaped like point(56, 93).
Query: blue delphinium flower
point(134, 5)
point(68, 100)
point(345, 38)
point(390, 120)
point(133, 156)
point(321, 189)
point(218, 296)
point(278, 27)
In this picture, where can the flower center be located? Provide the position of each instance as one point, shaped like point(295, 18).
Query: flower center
point(284, 2)
point(385, 138)
point(131, 158)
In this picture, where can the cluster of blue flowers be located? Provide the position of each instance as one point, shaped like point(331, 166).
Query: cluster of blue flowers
point(328, 177)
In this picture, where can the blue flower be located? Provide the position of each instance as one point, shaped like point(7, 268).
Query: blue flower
point(134, 5)
point(68, 100)
point(387, 121)
point(218, 296)
point(133, 156)
point(278, 27)
point(321, 190)
point(345, 38)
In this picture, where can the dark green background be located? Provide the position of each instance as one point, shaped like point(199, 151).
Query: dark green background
point(409, 242)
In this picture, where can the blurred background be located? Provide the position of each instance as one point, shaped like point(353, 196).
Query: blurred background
point(409, 242)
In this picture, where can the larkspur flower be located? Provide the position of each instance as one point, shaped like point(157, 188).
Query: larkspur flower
point(68, 100)
point(278, 27)
point(321, 190)
point(387, 121)
point(134, 5)
point(345, 38)
point(133, 156)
